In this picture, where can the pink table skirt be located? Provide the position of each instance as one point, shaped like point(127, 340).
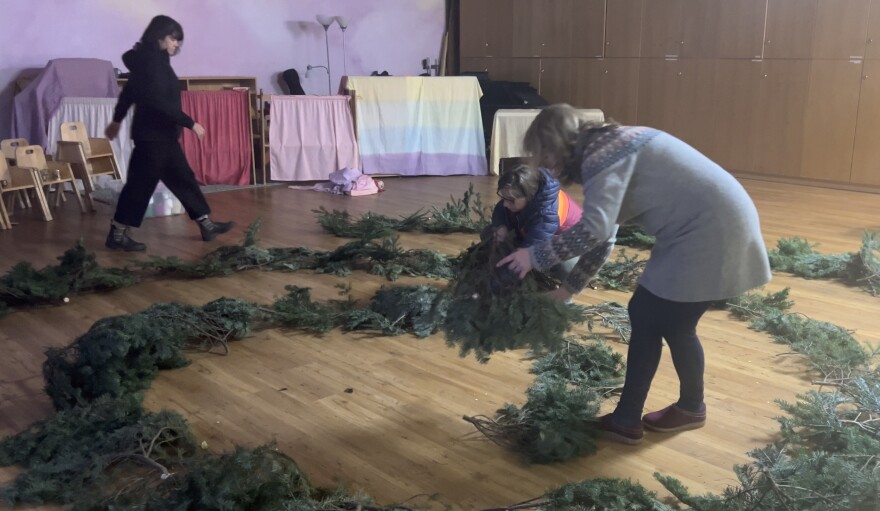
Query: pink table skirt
point(310, 137)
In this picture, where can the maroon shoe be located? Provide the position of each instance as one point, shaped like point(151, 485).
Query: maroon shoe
point(672, 418)
point(611, 431)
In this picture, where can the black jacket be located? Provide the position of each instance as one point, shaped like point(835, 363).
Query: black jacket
point(154, 89)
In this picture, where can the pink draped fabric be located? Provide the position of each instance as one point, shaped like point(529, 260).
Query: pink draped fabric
point(225, 154)
point(310, 137)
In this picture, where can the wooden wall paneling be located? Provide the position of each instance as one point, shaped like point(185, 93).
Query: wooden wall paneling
point(623, 28)
point(790, 27)
point(740, 31)
point(661, 28)
point(557, 80)
point(553, 22)
point(782, 100)
point(473, 20)
point(830, 120)
point(620, 90)
point(841, 29)
point(658, 93)
point(542, 28)
point(699, 28)
point(525, 70)
point(866, 153)
point(498, 68)
point(611, 85)
point(588, 28)
point(587, 83)
point(524, 41)
point(737, 89)
point(499, 28)
point(872, 46)
point(695, 103)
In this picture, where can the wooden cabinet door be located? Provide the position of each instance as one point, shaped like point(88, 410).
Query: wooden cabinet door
point(499, 28)
point(782, 100)
point(658, 90)
point(498, 68)
point(588, 28)
point(587, 83)
point(790, 27)
point(542, 28)
point(699, 28)
point(473, 19)
point(830, 120)
point(556, 80)
point(525, 70)
point(694, 103)
point(740, 32)
point(623, 28)
point(737, 89)
point(872, 49)
point(620, 90)
point(486, 28)
point(866, 154)
point(661, 28)
point(611, 85)
point(841, 28)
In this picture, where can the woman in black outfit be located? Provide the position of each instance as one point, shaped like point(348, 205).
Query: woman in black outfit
point(158, 122)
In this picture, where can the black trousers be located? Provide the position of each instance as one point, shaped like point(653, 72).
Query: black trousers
point(151, 162)
point(654, 319)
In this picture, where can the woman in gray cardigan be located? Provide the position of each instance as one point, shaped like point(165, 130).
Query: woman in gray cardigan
point(709, 247)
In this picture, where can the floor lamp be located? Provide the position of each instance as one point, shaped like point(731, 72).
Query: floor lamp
point(325, 22)
point(343, 24)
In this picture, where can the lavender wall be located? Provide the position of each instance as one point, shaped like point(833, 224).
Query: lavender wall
point(224, 37)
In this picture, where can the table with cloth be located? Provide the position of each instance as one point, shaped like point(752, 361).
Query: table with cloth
point(415, 125)
point(509, 127)
point(310, 137)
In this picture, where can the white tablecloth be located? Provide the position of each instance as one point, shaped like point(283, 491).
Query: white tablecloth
point(96, 114)
point(509, 127)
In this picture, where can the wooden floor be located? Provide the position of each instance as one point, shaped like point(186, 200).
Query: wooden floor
point(400, 432)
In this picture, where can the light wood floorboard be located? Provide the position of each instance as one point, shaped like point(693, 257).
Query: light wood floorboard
point(399, 432)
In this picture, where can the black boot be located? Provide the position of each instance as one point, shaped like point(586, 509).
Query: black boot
point(210, 229)
point(118, 239)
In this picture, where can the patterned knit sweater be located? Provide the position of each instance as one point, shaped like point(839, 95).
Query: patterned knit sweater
point(709, 243)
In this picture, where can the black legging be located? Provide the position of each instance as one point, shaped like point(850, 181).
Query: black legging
point(150, 163)
point(653, 319)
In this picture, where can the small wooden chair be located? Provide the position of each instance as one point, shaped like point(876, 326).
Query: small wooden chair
point(8, 147)
point(88, 156)
point(14, 179)
point(49, 173)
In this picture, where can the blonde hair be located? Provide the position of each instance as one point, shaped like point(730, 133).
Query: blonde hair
point(552, 137)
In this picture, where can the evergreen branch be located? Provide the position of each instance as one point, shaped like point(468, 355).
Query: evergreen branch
point(535, 503)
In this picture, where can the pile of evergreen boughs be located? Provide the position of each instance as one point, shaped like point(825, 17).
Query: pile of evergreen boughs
point(862, 268)
point(491, 309)
point(466, 214)
point(633, 236)
point(558, 420)
point(23, 286)
point(119, 356)
point(621, 274)
point(103, 451)
point(76, 272)
point(111, 454)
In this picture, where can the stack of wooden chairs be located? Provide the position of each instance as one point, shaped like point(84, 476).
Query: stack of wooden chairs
point(90, 157)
